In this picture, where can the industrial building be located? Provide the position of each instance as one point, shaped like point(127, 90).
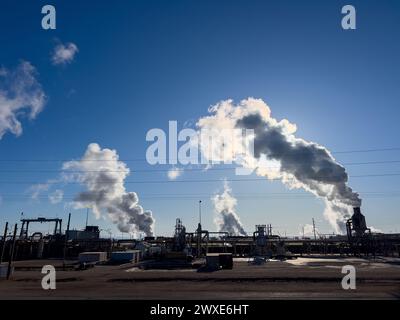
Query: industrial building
point(184, 247)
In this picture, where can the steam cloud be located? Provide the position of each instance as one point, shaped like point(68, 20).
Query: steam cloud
point(64, 53)
point(103, 175)
point(20, 94)
point(174, 173)
point(227, 220)
point(279, 154)
point(56, 197)
point(307, 230)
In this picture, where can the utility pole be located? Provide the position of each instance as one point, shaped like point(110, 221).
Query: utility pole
point(87, 216)
point(11, 258)
point(66, 239)
point(4, 242)
point(199, 232)
point(313, 224)
point(200, 211)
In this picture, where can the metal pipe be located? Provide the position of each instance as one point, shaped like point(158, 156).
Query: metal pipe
point(22, 229)
point(10, 260)
point(4, 242)
point(66, 239)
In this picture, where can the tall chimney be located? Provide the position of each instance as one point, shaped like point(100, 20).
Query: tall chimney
point(358, 220)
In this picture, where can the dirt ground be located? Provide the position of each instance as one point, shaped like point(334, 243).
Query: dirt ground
point(302, 278)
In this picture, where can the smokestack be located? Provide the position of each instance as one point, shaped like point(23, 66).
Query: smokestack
point(358, 221)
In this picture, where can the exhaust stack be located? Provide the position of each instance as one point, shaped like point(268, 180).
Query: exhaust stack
point(357, 223)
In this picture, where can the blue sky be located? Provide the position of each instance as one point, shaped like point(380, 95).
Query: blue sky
point(143, 63)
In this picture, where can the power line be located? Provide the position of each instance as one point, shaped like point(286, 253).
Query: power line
point(201, 180)
point(167, 170)
point(144, 159)
point(187, 196)
point(193, 199)
point(184, 169)
point(369, 150)
point(369, 162)
point(198, 194)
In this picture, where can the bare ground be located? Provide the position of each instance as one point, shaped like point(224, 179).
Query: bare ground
point(297, 279)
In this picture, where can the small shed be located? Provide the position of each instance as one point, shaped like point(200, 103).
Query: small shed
point(126, 256)
point(226, 260)
point(92, 257)
point(218, 261)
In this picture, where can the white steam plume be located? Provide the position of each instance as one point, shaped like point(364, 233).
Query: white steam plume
point(56, 197)
point(297, 162)
point(226, 218)
point(103, 176)
point(20, 95)
point(64, 53)
point(307, 230)
point(174, 173)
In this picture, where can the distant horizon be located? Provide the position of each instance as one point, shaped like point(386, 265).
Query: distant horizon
point(77, 103)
